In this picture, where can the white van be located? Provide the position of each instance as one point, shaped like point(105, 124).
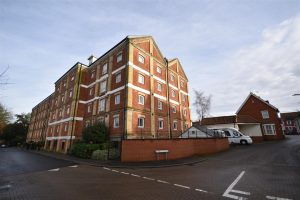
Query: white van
point(236, 137)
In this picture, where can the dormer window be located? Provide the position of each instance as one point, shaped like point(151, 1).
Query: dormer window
point(265, 114)
point(119, 57)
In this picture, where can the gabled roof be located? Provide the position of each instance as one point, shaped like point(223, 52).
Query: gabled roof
point(219, 120)
point(179, 65)
point(260, 99)
point(150, 38)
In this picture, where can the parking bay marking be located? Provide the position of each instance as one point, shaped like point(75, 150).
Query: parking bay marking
point(230, 189)
point(277, 198)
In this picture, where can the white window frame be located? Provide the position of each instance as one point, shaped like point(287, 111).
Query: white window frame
point(271, 131)
point(72, 78)
point(116, 121)
point(159, 87)
point(117, 99)
point(172, 77)
point(141, 59)
point(175, 125)
point(265, 114)
point(63, 98)
point(89, 108)
point(158, 69)
point(71, 93)
point(118, 77)
point(66, 127)
point(93, 74)
point(182, 83)
point(141, 119)
point(68, 110)
point(173, 93)
point(141, 99)
point(104, 69)
point(184, 112)
point(103, 86)
point(141, 79)
point(119, 57)
point(160, 124)
point(91, 91)
point(174, 108)
point(183, 97)
point(160, 105)
point(101, 105)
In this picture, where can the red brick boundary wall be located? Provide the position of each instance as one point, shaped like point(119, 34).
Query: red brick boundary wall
point(144, 150)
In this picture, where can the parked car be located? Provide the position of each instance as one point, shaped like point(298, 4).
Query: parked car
point(236, 137)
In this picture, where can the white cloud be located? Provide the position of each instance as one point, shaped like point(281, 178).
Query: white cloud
point(271, 67)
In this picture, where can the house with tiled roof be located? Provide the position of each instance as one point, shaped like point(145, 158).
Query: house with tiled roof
point(291, 122)
point(256, 118)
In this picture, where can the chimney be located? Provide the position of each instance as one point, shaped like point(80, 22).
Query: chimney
point(92, 59)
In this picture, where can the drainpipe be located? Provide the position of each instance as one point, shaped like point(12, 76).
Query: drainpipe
point(168, 100)
point(126, 92)
point(76, 105)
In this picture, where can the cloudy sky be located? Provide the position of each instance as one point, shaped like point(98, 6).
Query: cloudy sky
point(227, 48)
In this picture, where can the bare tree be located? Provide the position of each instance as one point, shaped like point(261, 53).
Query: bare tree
point(202, 104)
point(3, 79)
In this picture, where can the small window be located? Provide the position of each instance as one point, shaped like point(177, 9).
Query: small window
point(116, 121)
point(141, 79)
point(172, 77)
point(158, 69)
point(103, 86)
point(87, 123)
point(118, 78)
point(175, 125)
point(141, 99)
point(173, 93)
point(182, 84)
point(62, 99)
point(71, 93)
point(89, 108)
point(72, 78)
point(183, 97)
point(141, 59)
point(59, 114)
point(184, 112)
point(101, 105)
point(269, 129)
point(104, 69)
point(119, 57)
point(141, 122)
point(117, 99)
point(57, 129)
point(159, 87)
point(66, 127)
point(91, 91)
point(68, 110)
point(64, 84)
point(93, 74)
point(160, 123)
point(174, 109)
point(265, 114)
point(160, 105)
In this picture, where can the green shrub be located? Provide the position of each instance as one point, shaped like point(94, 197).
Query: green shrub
point(95, 134)
point(83, 150)
point(99, 155)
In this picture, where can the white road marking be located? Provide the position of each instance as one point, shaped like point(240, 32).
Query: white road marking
point(240, 192)
point(277, 198)
point(151, 179)
point(53, 170)
point(5, 187)
point(106, 168)
point(125, 173)
point(230, 189)
point(113, 170)
point(160, 181)
point(182, 186)
point(135, 175)
point(199, 190)
point(74, 166)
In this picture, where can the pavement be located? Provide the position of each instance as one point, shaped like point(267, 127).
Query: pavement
point(118, 164)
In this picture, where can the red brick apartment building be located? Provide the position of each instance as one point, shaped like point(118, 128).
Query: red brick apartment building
point(291, 123)
point(132, 88)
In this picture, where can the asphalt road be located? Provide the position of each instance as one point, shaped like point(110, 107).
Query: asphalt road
point(262, 171)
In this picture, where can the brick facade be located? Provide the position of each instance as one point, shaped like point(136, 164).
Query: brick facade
point(132, 80)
